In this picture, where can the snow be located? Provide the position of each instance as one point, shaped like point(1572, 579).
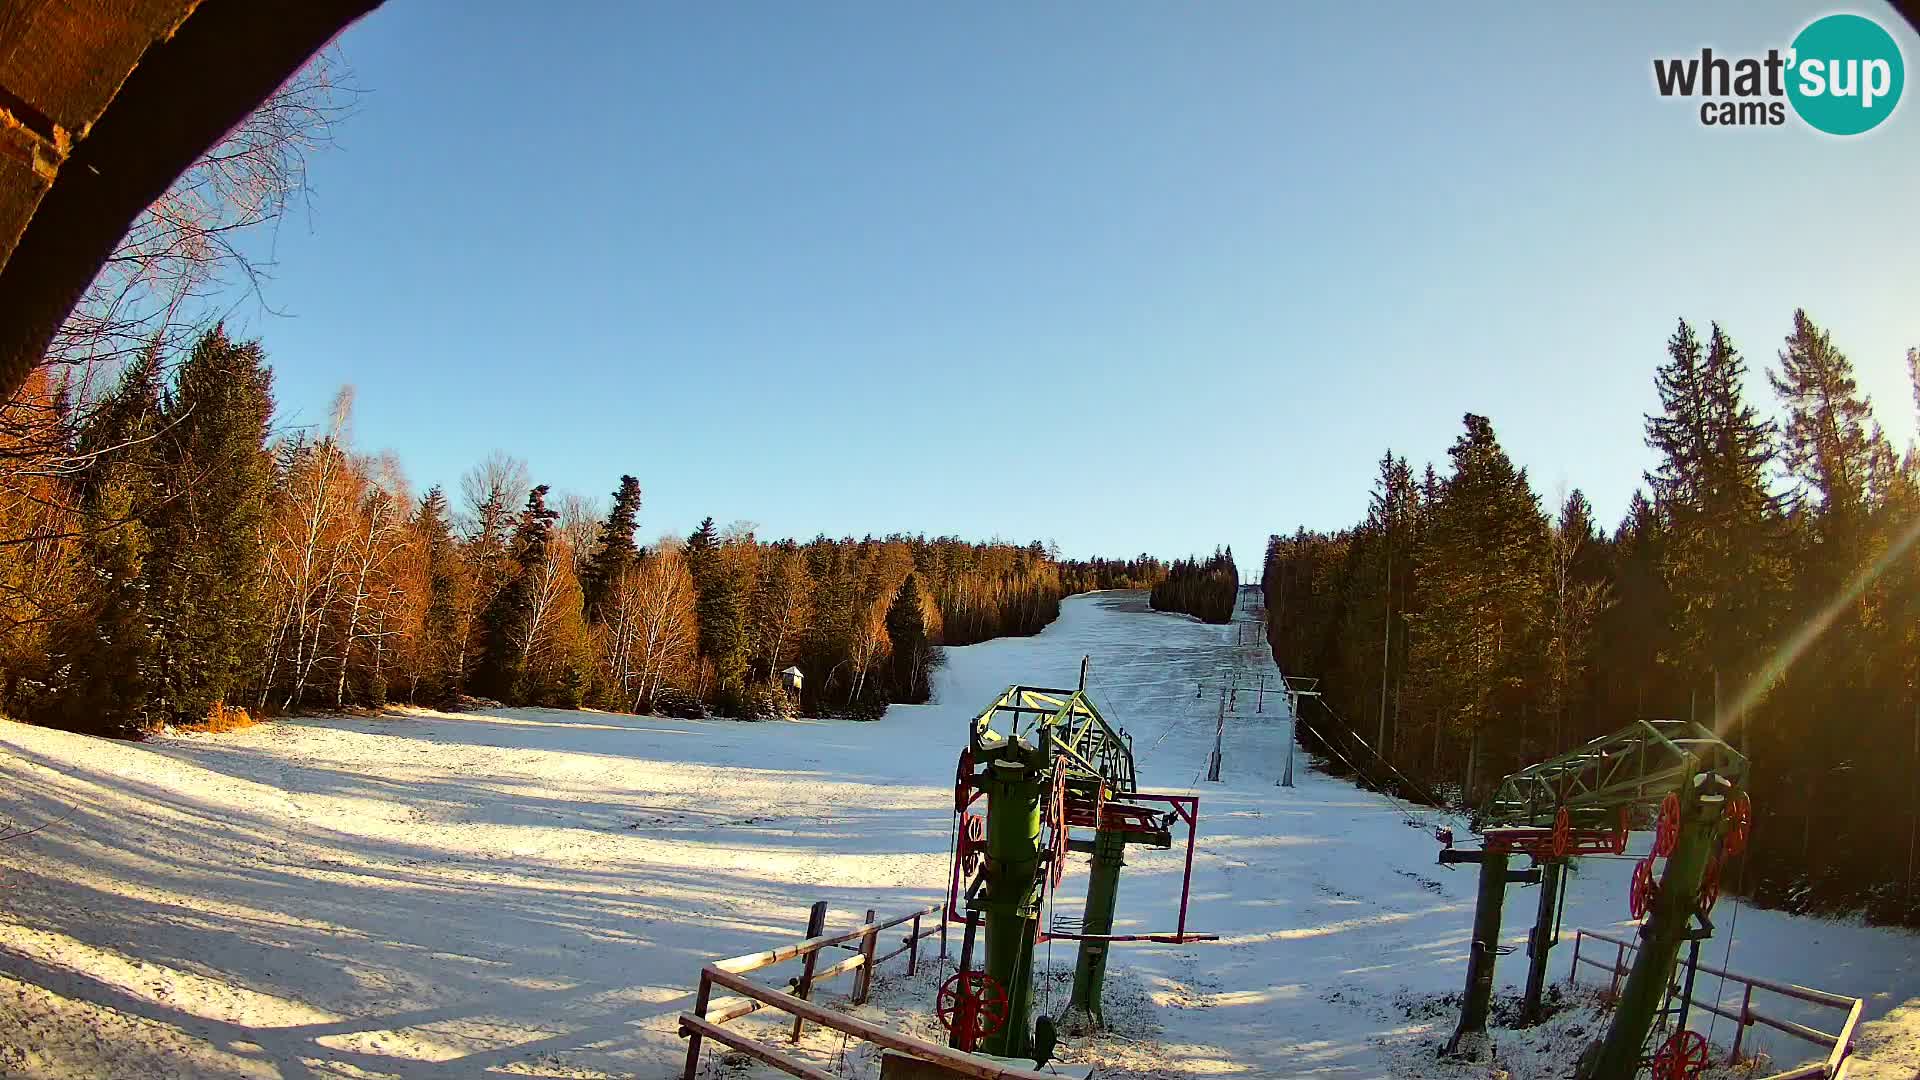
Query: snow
point(532, 892)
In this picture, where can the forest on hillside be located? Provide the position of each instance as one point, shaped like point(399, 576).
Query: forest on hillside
point(168, 558)
point(1205, 589)
point(1764, 581)
point(189, 561)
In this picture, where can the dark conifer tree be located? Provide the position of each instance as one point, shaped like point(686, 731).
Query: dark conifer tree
point(440, 626)
point(1723, 555)
point(103, 654)
point(203, 575)
point(721, 611)
point(912, 643)
point(506, 630)
point(616, 551)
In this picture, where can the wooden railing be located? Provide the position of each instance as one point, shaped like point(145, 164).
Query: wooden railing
point(709, 1014)
point(1839, 1044)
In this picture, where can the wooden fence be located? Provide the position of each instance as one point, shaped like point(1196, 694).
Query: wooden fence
point(1839, 1044)
point(709, 1014)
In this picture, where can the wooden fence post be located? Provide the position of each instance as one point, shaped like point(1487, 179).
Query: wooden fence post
point(1740, 1029)
point(693, 1037)
point(913, 948)
point(865, 980)
point(816, 925)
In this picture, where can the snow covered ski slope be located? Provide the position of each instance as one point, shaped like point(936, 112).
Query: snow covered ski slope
point(531, 892)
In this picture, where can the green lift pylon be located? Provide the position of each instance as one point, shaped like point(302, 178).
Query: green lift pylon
point(1584, 802)
point(1052, 764)
point(1676, 904)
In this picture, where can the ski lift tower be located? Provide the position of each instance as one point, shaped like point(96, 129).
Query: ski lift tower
point(1297, 687)
point(1675, 774)
point(1045, 762)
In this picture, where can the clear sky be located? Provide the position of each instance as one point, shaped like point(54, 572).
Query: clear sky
point(1129, 276)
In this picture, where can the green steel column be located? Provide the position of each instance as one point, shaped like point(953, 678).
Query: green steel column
point(1008, 900)
point(1541, 941)
point(1660, 940)
point(1486, 939)
point(1103, 890)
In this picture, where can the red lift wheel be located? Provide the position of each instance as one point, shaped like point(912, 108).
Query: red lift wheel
point(971, 1005)
point(973, 842)
point(1709, 888)
point(1739, 823)
point(1562, 833)
point(1666, 832)
point(1682, 1057)
point(1620, 837)
point(1640, 892)
point(962, 781)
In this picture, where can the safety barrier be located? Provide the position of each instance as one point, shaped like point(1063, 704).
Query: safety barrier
point(1839, 1044)
point(705, 1021)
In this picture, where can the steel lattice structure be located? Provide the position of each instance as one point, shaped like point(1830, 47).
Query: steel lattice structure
point(1633, 768)
point(1063, 723)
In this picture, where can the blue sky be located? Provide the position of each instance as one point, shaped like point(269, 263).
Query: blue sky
point(1132, 277)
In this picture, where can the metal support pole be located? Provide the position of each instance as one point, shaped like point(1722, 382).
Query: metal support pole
point(1686, 992)
point(1293, 736)
point(1010, 901)
point(1541, 941)
point(1666, 927)
point(1103, 890)
point(1486, 943)
point(1219, 731)
point(966, 964)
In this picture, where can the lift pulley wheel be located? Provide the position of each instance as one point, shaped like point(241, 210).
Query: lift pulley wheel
point(1666, 831)
point(1709, 888)
point(1641, 890)
point(973, 842)
point(1682, 1057)
point(1562, 833)
point(971, 1005)
point(1620, 835)
point(962, 781)
point(1739, 823)
point(1057, 809)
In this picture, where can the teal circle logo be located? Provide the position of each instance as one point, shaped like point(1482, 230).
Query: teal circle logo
point(1845, 74)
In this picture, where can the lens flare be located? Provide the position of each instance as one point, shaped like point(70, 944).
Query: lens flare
point(1790, 651)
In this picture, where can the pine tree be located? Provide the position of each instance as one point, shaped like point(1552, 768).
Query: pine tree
point(1723, 559)
point(1482, 577)
point(616, 551)
point(440, 630)
point(104, 652)
point(1830, 445)
point(720, 613)
point(907, 630)
point(204, 574)
point(507, 625)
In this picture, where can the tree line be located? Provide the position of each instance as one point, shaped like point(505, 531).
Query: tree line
point(1764, 581)
point(1205, 589)
point(166, 557)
